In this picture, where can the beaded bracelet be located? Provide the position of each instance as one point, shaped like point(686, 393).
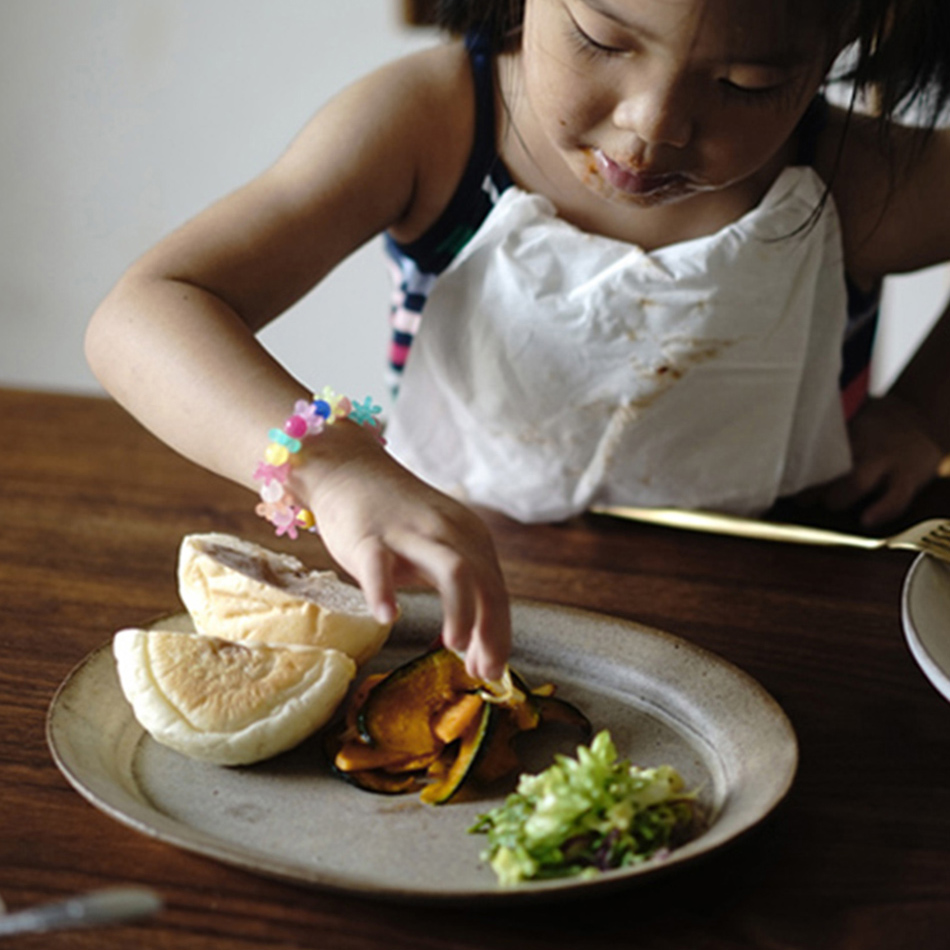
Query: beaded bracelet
point(277, 505)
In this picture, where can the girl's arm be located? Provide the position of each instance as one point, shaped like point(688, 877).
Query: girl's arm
point(895, 216)
point(892, 197)
point(175, 343)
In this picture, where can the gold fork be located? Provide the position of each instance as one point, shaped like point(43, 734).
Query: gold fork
point(932, 536)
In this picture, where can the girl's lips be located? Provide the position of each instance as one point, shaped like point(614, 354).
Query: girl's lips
point(637, 183)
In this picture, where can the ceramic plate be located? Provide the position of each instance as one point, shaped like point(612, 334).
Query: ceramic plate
point(663, 700)
point(925, 609)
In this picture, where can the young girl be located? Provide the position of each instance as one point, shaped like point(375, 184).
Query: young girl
point(634, 248)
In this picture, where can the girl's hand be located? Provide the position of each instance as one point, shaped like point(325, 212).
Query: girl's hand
point(894, 458)
point(387, 528)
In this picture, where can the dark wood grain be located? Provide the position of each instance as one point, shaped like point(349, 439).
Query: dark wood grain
point(92, 510)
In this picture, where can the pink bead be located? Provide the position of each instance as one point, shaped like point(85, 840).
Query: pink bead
point(269, 473)
point(296, 427)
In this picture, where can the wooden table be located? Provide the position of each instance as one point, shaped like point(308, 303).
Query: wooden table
point(92, 510)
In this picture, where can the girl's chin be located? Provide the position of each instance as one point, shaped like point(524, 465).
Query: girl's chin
point(650, 196)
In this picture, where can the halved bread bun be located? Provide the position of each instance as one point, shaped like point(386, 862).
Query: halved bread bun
point(228, 703)
point(240, 591)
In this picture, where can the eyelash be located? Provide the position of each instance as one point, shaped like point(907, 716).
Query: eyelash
point(781, 95)
point(589, 46)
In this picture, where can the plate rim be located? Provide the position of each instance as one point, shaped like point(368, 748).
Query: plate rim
point(197, 841)
point(938, 677)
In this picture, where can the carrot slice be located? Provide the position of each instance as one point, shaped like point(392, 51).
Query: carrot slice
point(453, 720)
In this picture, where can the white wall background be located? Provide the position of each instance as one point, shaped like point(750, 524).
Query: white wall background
point(121, 118)
point(911, 305)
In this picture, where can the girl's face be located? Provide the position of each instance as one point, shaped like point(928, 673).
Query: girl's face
point(653, 101)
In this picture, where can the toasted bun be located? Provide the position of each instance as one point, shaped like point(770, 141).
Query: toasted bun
point(240, 591)
point(228, 703)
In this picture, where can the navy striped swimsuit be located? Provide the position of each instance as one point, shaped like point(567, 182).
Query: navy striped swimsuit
point(417, 265)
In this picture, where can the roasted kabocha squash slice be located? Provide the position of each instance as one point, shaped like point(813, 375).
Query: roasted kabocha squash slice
point(458, 765)
point(553, 709)
point(454, 721)
point(353, 756)
point(388, 720)
point(385, 783)
point(399, 710)
point(498, 756)
point(430, 725)
point(378, 780)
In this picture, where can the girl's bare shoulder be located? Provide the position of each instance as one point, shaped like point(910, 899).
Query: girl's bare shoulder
point(427, 99)
point(891, 192)
point(393, 143)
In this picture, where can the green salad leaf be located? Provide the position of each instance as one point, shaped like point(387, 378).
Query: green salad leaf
point(587, 815)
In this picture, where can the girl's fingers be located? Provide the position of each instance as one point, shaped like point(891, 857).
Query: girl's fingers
point(452, 577)
point(894, 457)
point(374, 571)
point(891, 503)
point(474, 602)
point(423, 535)
point(492, 637)
point(859, 484)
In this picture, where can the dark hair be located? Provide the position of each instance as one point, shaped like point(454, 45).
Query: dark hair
point(902, 57)
point(500, 20)
point(900, 54)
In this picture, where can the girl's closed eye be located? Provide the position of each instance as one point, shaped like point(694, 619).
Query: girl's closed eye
point(587, 45)
point(781, 93)
point(754, 86)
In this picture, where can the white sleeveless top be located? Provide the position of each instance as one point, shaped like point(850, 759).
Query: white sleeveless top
point(555, 369)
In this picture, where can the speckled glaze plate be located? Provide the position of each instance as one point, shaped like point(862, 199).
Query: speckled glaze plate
point(663, 700)
point(925, 610)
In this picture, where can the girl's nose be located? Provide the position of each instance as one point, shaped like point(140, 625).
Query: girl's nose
point(658, 113)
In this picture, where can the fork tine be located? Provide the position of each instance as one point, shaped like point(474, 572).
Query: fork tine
point(940, 553)
point(937, 541)
point(937, 544)
point(940, 533)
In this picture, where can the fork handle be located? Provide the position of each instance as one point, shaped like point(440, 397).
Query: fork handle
point(716, 523)
point(107, 906)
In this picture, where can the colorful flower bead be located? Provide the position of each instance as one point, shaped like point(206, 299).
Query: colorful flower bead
point(308, 419)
